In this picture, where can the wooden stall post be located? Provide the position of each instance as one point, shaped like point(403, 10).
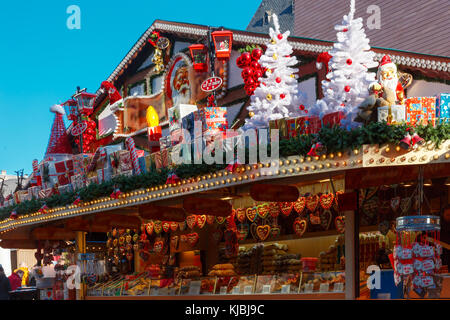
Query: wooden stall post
point(81, 248)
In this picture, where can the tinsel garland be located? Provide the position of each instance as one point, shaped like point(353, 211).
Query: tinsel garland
point(334, 139)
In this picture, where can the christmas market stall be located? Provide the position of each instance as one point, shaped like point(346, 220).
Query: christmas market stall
point(223, 164)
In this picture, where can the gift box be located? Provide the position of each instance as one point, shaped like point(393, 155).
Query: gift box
point(81, 162)
point(292, 129)
point(165, 142)
point(63, 171)
point(92, 179)
point(216, 119)
point(443, 108)
point(161, 158)
point(282, 127)
point(34, 191)
point(333, 119)
point(308, 125)
point(104, 174)
point(397, 112)
point(177, 113)
point(65, 189)
point(21, 196)
point(128, 173)
point(125, 163)
point(420, 110)
point(78, 181)
point(188, 124)
point(48, 174)
point(45, 193)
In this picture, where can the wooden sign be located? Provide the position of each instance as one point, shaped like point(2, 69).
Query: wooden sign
point(162, 213)
point(274, 193)
point(213, 207)
point(211, 84)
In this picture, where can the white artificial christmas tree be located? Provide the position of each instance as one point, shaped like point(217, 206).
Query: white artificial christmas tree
point(277, 96)
point(349, 77)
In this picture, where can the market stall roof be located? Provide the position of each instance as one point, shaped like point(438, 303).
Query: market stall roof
point(429, 65)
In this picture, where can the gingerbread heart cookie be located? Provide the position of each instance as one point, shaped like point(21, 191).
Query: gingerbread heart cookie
point(251, 213)
point(300, 226)
point(325, 219)
point(274, 209)
point(220, 220)
point(326, 200)
point(312, 202)
point(339, 223)
point(263, 210)
point(158, 246)
point(193, 238)
point(286, 207)
point(300, 204)
point(191, 221)
point(240, 214)
point(166, 226)
point(149, 228)
point(173, 226)
point(210, 219)
point(242, 232)
point(157, 226)
point(263, 232)
point(201, 221)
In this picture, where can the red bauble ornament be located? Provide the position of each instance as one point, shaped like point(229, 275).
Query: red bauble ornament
point(278, 80)
point(282, 96)
point(257, 74)
point(247, 72)
point(280, 36)
point(349, 61)
point(347, 88)
point(306, 111)
point(246, 58)
point(239, 62)
point(255, 65)
point(249, 81)
point(302, 107)
point(256, 54)
point(345, 30)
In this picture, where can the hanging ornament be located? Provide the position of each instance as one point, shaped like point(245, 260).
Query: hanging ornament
point(269, 97)
point(286, 207)
point(349, 61)
point(280, 36)
point(339, 222)
point(278, 79)
point(300, 204)
point(240, 215)
point(201, 221)
point(300, 226)
point(251, 213)
point(312, 202)
point(166, 226)
point(173, 226)
point(77, 200)
point(282, 96)
point(13, 215)
point(274, 209)
point(220, 220)
point(210, 219)
point(275, 56)
point(191, 221)
point(251, 114)
point(326, 200)
point(262, 232)
point(347, 88)
point(273, 41)
point(263, 210)
point(157, 226)
point(149, 228)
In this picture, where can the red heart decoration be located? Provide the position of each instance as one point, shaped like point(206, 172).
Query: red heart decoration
point(326, 200)
point(173, 226)
point(49, 293)
point(191, 221)
point(157, 226)
point(220, 220)
point(314, 218)
point(300, 226)
point(240, 214)
point(263, 210)
point(312, 202)
point(210, 219)
point(263, 232)
point(339, 222)
point(193, 238)
point(201, 221)
point(300, 204)
point(158, 246)
point(166, 226)
point(274, 209)
point(251, 213)
point(286, 207)
point(149, 227)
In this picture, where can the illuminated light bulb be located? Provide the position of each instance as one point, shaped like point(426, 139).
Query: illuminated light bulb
point(371, 160)
point(245, 177)
point(339, 154)
point(356, 151)
point(222, 182)
point(359, 161)
point(234, 179)
point(313, 167)
point(344, 164)
point(328, 165)
point(267, 165)
point(320, 166)
point(331, 155)
point(309, 159)
point(240, 178)
point(316, 158)
point(447, 155)
point(257, 175)
point(283, 171)
point(324, 157)
point(214, 175)
point(294, 161)
point(291, 170)
point(287, 162)
point(305, 168)
point(228, 180)
point(435, 157)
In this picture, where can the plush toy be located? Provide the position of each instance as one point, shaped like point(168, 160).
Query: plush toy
point(113, 94)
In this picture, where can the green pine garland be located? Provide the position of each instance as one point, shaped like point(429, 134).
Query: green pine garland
point(334, 139)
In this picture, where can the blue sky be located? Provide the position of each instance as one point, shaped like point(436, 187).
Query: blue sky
point(42, 61)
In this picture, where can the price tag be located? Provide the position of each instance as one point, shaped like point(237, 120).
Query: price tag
point(248, 289)
point(266, 288)
point(286, 288)
point(324, 287)
point(223, 290)
point(309, 288)
point(235, 290)
point(338, 287)
point(194, 287)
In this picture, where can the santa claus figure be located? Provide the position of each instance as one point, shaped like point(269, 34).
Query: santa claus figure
point(113, 94)
point(388, 81)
